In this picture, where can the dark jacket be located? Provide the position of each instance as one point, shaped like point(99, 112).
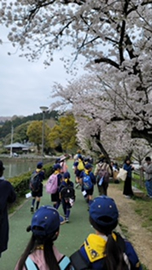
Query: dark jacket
point(7, 195)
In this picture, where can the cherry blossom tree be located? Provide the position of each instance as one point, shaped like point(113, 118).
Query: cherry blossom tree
point(114, 36)
point(92, 106)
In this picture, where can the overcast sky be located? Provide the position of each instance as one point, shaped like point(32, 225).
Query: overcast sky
point(25, 86)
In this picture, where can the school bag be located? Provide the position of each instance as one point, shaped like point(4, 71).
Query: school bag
point(102, 176)
point(64, 264)
point(68, 193)
point(35, 182)
point(80, 166)
point(52, 184)
point(87, 183)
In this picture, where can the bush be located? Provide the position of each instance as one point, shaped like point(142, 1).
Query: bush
point(21, 182)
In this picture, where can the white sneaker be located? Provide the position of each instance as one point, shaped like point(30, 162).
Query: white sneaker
point(127, 196)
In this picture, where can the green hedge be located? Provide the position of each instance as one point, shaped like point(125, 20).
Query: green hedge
point(21, 182)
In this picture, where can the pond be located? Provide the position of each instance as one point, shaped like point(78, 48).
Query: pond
point(17, 166)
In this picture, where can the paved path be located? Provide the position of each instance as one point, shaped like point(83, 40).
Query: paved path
point(71, 234)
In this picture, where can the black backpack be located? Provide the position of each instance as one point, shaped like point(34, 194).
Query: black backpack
point(35, 182)
point(67, 193)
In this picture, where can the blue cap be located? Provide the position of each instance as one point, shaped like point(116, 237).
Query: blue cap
point(66, 175)
point(103, 211)
point(57, 166)
point(40, 165)
point(47, 219)
point(88, 166)
point(57, 160)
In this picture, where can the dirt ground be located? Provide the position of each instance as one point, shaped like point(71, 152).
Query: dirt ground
point(139, 236)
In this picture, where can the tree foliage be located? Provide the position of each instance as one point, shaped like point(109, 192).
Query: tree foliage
point(64, 133)
point(34, 132)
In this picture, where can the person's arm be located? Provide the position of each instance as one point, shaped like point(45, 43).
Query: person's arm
point(96, 170)
point(12, 194)
point(148, 169)
point(132, 256)
point(93, 178)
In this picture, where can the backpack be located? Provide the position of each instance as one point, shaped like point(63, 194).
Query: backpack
point(80, 166)
point(68, 193)
point(64, 264)
point(35, 182)
point(87, 183)
point(102, 176)
point(52, 184)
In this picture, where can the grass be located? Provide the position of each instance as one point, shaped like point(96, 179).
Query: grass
point(142, 207)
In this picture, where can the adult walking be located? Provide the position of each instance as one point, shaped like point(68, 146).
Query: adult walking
point(148, 176)
point(7, 195)
point(127, 191)
point(102, 172)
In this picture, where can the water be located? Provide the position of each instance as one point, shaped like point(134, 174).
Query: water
point(14, 167)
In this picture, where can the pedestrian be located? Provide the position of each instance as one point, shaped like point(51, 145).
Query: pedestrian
point(63, 164)
point(55, 196)
point(105, 249)
point(78, 168)
point(148, 176)
point(36, 186)
point(102, 172)
point(67, 195)
point(40, 252)
point(127, 191)
point(7, 195)
point(88, 181)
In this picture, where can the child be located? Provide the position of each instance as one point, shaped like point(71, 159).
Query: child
point(88, 182)
point(105, 249)
point(37, 194)
point(67, 195)
point(55, 197)
point(40, 252)
point(78, 168)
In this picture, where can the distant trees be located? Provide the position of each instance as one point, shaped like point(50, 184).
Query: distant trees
point(60, 132)
point(17, 121)
point(64, 133)
point(34, 133)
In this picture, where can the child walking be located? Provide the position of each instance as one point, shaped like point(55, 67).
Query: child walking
point(88, 182)
point(37, 190)
point(67, 195)
point(55, 196)
point(41, 252)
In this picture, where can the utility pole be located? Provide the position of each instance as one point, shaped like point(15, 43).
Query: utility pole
point(12, 131)
point(43, 109)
